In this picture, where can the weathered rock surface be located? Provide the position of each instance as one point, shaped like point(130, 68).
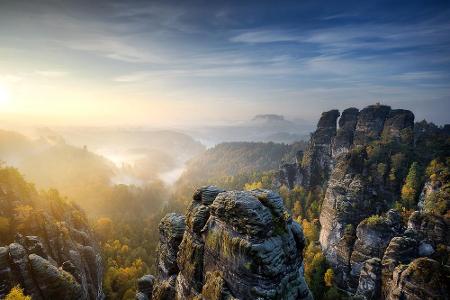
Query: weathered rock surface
point(369, 286)
point(145, 287)
point(317, 162)
point(290, 175)
point(54, 283)
point(78, 278)
point(236, 245)
point(348, 200)
point(171, 229)
point(53, 255)
point(373, 237)
point(359, 188)
point(423, 278)
point(362, 166)
point(430, 227)
point(370, 124)
point(399, 126)
point(344, 136)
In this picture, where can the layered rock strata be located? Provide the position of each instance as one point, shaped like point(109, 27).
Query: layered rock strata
point(236, 245)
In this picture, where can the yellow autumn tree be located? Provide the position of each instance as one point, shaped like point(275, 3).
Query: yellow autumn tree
point(104, 228)
point(253, 185)
point(328, 278)
point(16, 293)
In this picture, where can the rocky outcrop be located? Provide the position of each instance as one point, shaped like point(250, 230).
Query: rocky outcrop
point(362, 166)
point(51, 251)
point(399, 126)
point(370, 124)
point(145, 287)
point(369, 285)
point(290, 175)
point(171, 229)
point(344, 136)
point(430, 227)
point(372, 238)
point(359, 188)
point(423, 278)
point(39, 275)
point(236, 245)
point(53, 282)
point(191, 253)
point(400, 251)
point(347, 202)
point(317, 162)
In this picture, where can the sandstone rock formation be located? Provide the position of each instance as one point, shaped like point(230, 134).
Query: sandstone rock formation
point(362, 167)
point(145, 286)
point(51, 251)
point(423, 278)
point(316, 162)
point(344, 135)
point(75, 273)
point(369, 285)
point(236, 245)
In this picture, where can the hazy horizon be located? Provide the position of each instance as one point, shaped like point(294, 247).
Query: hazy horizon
point(162, 64)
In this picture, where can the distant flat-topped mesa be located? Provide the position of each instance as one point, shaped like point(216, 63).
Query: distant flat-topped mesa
point(356, 128)
point(230, 245)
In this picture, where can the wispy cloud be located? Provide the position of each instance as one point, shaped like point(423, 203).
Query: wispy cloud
point(420, 76)
point(265, 36)
point(361, 37)
point(52, 73)
point(114, 48)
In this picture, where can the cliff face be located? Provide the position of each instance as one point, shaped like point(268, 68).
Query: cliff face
point(49, 250)
point(362, 167)
point(236, 245)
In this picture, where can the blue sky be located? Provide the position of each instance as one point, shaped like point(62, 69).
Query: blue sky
point(168, 63)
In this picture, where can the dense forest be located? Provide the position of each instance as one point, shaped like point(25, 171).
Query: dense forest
point(233, 165)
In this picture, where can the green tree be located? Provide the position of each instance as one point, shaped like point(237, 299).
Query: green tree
point(411, 188)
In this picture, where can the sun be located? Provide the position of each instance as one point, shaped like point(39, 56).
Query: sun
point(4, 96)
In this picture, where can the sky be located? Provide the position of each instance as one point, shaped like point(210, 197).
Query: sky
point(166, 63)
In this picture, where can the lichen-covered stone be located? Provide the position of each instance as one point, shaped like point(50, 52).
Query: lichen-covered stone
point(242, 245)
point(6, 279)
point(59, 246)
point(207, 194)
point(401, 250)
point(423, 278)
point(20, 265)
point(252, 240)
point(165, 289)
point(316, 163)
point(344, 135)
point(145, 287)
point(54, 283)
point(369, 285)
point(431, 227)
point(171, 230)
point(370, 124)
point(215, 287)
point(348, 200)
point(373, 236)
